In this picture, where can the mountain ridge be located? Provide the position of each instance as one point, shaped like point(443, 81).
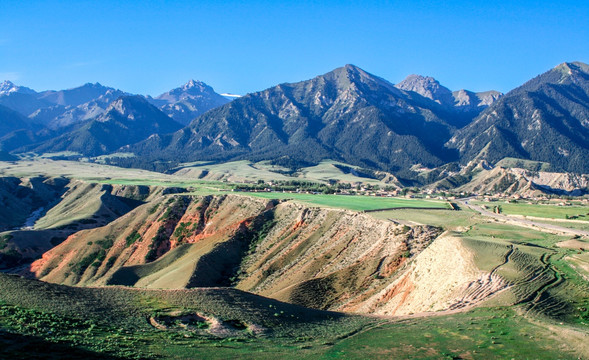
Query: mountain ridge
point(127, 120)
point(346, 115)
point(317, 119)
point(545, 119)
point(188, 101)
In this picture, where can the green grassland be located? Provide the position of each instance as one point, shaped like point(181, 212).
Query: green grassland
point(186, 174)
point(483, 333)
point(540, 315)
point(571, 224)
point(327, 169)
point(541, 210)
point(524, 164)
point(87, 171)
point(448, 219)
point(113, 322)
point(353, 202)
point(116, 320)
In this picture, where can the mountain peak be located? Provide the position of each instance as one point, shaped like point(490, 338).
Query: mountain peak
point(192, 87)
point(186, 102)
point(194, 84)
point(349, 75)
point(126, 105)
point(352, 67)
point(96, 85)
point(565, 73)
point(570, 68)
point(357, 71)
point(8, 86)
point(428, 87)
point(417, 77)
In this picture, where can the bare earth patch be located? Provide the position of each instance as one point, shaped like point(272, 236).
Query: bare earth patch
point(574, 244)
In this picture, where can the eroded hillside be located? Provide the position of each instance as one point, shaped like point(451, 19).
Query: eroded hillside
point(316, 257)
point(39, 213)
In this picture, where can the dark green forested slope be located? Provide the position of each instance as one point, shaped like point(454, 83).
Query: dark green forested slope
point(546, 119)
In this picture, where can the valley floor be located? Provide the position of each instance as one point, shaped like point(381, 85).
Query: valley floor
point(313, 276)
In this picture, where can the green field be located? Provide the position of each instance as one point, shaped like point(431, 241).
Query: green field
point(448, 219)
point(512, 233)
point(352, 202)
point(484, 333)
point(489, 333)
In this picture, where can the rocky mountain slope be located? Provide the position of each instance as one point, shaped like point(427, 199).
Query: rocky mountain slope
point(8, 87)
point(543, 120)
point(58, 116)
point(56, 109)
point(126, 121)
point(185, 103)
point(38, 213)
point(347, 114)
point(417, 130)
point(12, 121)
point(461, 100)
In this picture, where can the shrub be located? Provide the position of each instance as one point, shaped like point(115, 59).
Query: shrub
point(132, 238)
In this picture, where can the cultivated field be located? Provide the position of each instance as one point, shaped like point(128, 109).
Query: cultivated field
point(353, 202)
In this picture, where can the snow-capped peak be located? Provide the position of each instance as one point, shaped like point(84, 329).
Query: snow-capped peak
point(7, 87)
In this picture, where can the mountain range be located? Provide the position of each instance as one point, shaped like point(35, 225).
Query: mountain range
point(52, 120)
point(347, 115)
point(128, 119)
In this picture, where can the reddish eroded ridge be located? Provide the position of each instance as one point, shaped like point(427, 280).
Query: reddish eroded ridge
point(316, 257)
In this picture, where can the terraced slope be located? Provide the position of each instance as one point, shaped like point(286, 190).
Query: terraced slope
point(537, 275)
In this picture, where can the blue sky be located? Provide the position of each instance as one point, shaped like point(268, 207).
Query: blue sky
point(149, 47)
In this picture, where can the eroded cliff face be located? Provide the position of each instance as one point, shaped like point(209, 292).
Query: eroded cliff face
point(316, 257)
point(328, 259)
point(154, 236)
point(444, 276)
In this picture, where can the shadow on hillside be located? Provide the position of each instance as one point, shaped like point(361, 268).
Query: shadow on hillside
point(17, 346)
